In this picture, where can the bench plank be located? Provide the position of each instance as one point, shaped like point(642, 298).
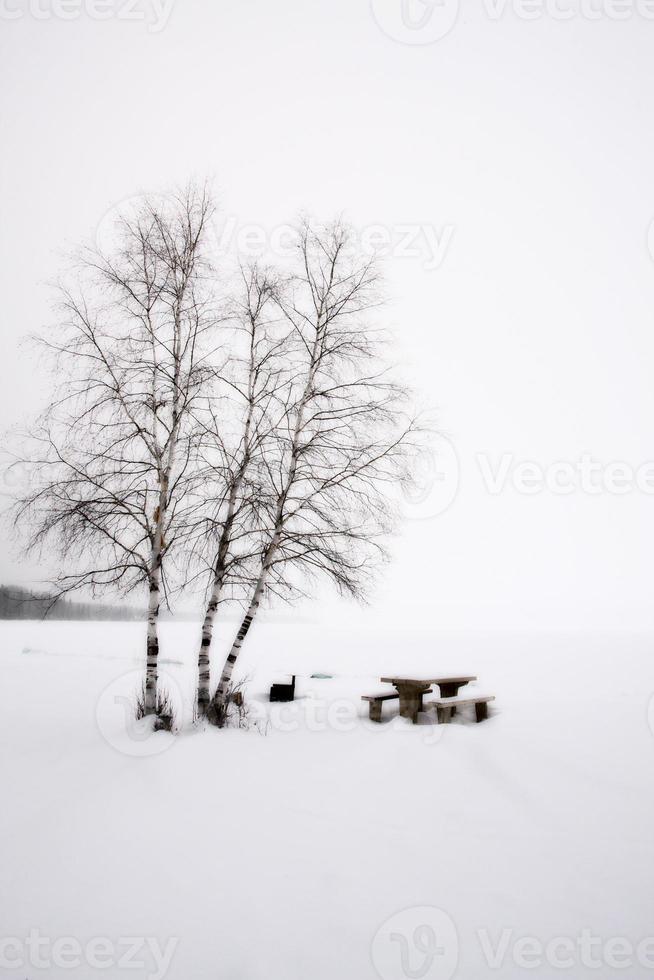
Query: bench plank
point(446, 707)
point(461, 702)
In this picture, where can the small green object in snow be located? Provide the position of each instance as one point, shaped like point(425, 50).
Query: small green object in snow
point(321, 677)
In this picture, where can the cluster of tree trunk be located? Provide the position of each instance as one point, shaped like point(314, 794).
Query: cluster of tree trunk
point(240, 435)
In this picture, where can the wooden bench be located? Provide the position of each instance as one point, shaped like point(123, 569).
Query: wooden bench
point(446, 707)
point(376, 701)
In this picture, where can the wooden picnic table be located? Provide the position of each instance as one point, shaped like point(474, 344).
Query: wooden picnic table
point(412, 689)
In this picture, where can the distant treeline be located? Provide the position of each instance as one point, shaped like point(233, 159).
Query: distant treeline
point(19, 603)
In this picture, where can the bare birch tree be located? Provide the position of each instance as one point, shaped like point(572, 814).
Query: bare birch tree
point(114, 458)
point(345, 435)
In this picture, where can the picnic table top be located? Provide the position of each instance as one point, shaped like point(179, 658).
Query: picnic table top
point(427, 680)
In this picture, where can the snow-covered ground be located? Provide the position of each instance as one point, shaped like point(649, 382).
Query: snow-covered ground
point(316, 846)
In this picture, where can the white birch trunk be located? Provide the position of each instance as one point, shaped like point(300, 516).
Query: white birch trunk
point(204, 663)
point(232, 657)
point(154, 602)
point(246, 623)
point(152, 651)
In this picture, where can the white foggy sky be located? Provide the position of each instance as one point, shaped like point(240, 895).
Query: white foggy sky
point(535, 336)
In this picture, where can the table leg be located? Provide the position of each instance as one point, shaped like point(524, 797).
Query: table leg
point(449, 690)
point(410, 702)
